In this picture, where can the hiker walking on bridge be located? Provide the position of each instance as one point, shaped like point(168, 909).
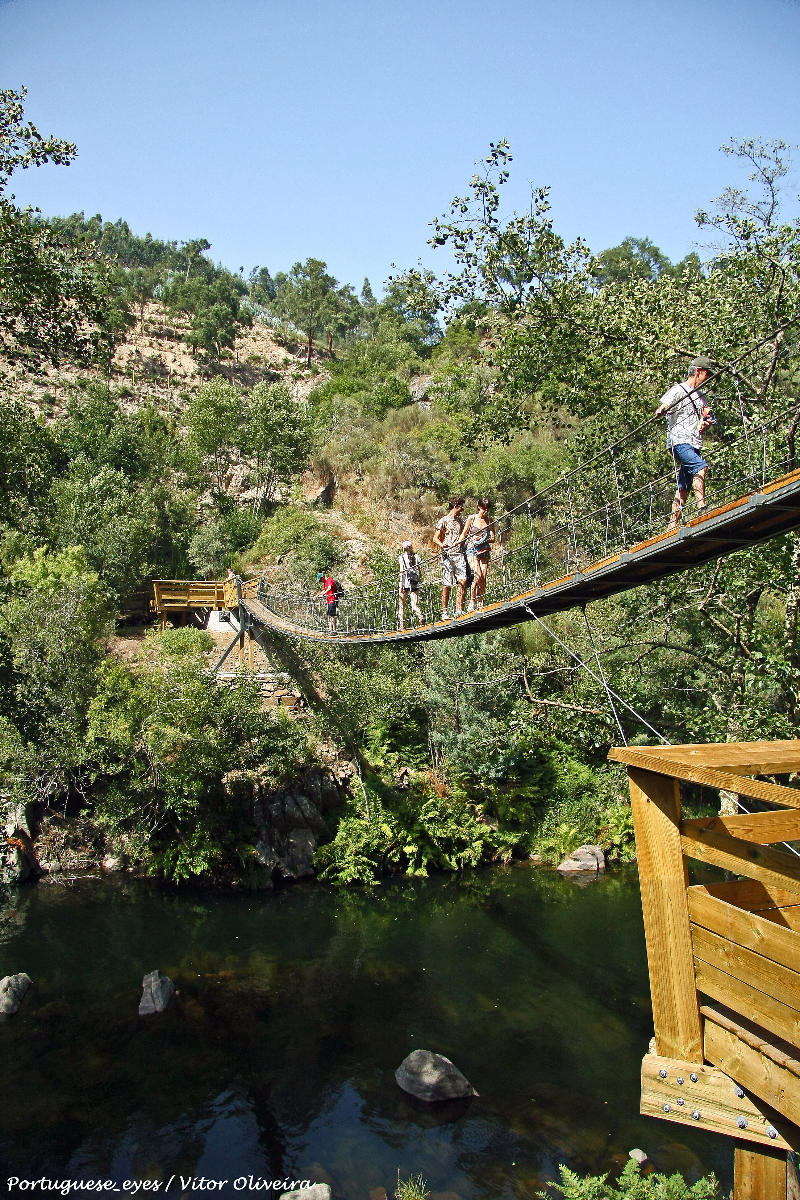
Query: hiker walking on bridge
point(409, 564)
point(687, 413)
point(454, 565)
point(477, 537)
point(331, 590)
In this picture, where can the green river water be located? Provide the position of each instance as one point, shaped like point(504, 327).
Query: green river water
point(276, 1058)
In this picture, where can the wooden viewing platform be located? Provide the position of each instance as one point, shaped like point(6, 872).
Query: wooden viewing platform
point(724, 958)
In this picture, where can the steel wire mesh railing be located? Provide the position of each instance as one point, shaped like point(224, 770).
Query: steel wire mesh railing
point(599, 509)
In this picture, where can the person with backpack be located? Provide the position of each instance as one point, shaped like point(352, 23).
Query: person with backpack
point(333, 592)
point(688, 416)
point(477, 537)
point(409, 564)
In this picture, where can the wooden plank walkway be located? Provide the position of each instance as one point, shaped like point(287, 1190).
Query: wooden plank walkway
point(758, 517)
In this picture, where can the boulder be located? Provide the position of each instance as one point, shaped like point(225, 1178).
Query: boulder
point(430, 1076)
point(12, 992)
point(638, 1156)
point(17, 858)
point(584, 859)
point(317, 1191)
point(419, 387)
point(157, 991)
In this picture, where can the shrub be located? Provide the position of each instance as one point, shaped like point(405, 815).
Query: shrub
point(295, 535)
point(632, 1185)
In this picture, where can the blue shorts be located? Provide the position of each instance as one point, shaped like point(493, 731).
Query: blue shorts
point(688, 461)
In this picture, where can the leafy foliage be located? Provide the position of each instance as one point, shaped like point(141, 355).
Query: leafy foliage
point(160, 742)
point(56, 301)
point(632, 1185)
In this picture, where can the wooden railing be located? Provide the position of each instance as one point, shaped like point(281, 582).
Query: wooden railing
point(724, 957)
point(186, 595)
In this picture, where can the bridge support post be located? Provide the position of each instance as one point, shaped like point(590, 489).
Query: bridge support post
point(760, 1174)
point(656, 805)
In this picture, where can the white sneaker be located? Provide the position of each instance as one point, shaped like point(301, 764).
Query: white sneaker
point(471, 607)
point(459, 612)
point(480, 605)
point(445, 615)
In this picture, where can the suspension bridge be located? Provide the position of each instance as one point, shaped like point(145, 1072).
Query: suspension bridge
point(723, 957)
point(594, 532)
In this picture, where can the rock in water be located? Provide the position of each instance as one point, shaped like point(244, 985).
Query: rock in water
point(157, 991)
point(317, 1191)
point(12, 992)
point(585, 858)
point(430, 1076)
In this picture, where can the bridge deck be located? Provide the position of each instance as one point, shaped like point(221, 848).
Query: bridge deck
point(754, 518)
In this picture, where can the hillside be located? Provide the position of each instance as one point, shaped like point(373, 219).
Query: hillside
point(154, 363)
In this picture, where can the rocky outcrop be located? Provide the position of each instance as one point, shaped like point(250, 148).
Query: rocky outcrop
point(317, 1191)
point(12, 992)
point(17, 858)
point(419, 388)
point(584, 860)
point(290, 823)
point(157, 991)
point(432, 1077)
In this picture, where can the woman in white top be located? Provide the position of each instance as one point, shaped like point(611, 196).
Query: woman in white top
point(409, 565)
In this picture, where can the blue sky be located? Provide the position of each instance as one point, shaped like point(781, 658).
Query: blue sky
point(338, 129)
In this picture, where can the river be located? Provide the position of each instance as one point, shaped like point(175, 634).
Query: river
point(276, 1058)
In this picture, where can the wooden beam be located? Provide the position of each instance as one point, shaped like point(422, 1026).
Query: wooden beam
point(781, 1019)
point(746, 758)
point(705, 1097)
point(785, 1055)
point(770, 977)
point(776, 904)
point(771, 793)
point(754, 1072)
point(769, 866)
point(758, 1174)
point(746, 929)
point(655, 802)
point(765, 828)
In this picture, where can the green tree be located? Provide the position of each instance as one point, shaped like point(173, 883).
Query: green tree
point(633, 258)
point(29, 462)
point(54, 661)
point(55, 299)
point(312, 300)
point(275, 435)
point(213, 304)
point(262, 286)
point(161, 741)
point(212, 419)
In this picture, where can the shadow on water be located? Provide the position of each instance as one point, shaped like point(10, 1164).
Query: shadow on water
point(276, 1058)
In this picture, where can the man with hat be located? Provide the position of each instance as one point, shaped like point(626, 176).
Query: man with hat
point(688, 415)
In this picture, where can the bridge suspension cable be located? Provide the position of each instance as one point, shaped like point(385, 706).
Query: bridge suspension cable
point(577, 538)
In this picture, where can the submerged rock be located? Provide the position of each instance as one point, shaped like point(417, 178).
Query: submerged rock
point(157, 991)
point(317, 1191)
point(430, 1076)
point(12, 992)
point(584, 859)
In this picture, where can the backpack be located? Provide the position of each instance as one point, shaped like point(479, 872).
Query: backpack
point(411, 570)
point(338, 590)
